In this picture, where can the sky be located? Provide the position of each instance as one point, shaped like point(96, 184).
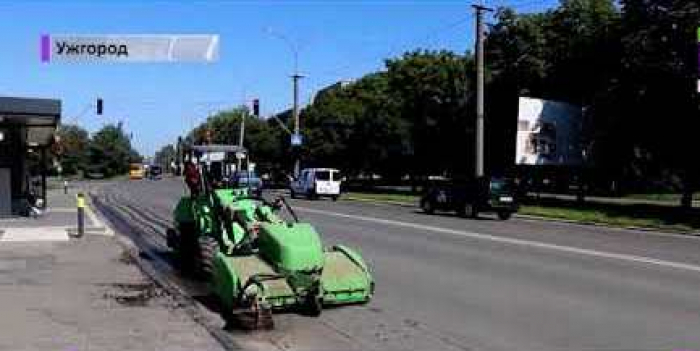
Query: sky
point(157, 102)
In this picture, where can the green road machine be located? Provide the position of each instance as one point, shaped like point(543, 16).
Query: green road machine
point(257, 260)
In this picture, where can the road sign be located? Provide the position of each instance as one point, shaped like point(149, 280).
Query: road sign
point(296, 140)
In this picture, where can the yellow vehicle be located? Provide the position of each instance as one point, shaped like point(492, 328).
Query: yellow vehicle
point(136, 171)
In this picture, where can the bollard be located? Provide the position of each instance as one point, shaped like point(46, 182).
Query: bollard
point(81, 214)
point(65, 187)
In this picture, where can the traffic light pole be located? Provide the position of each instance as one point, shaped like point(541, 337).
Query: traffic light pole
point(241, 136)
point(479, 159)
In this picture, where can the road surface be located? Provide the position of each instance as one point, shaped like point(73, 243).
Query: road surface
point(449, 283)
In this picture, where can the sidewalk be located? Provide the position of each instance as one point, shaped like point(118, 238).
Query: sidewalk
point(55, 224)
point(62, 293)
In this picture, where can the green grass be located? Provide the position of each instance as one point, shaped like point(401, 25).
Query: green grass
point(380, 197)
point(670, 197)
point(593, 216)
point(618, 215)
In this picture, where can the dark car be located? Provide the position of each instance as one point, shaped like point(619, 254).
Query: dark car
point(94, 172)
point(248, 179)
point(471, 197)
point(155, 172)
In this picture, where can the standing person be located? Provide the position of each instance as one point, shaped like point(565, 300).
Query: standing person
point(192, 178)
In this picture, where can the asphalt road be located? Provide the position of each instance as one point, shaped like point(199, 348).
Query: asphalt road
point(448, 283)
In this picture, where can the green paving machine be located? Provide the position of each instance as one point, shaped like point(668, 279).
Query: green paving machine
point(257, 258)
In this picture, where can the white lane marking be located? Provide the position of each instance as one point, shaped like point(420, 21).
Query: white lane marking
point(513, 241)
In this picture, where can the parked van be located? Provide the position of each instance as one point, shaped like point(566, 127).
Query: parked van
point(316, 182)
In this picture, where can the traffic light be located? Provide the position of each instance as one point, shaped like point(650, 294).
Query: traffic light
point(256, 107)
point(99, 106)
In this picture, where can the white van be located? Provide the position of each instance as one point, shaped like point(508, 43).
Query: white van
point(315, 182)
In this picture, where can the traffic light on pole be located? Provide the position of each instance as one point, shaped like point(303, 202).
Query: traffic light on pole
point(99, 106)
point(256, 107)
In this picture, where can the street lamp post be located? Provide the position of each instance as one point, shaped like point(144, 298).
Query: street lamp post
point(295, 81)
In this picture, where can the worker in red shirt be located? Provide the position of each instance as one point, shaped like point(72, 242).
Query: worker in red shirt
point(192, 178)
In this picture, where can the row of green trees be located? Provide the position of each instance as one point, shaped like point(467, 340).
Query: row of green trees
point(631, 63)
point(108, 151)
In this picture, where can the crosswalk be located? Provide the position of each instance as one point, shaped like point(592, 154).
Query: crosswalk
point(34, 234)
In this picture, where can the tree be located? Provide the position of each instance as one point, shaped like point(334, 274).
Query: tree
point(110, 150)
point(433, 90)
point(356, 127)
point(72, 148)
point(263, 139)
point(660, 73)
point(165, 156)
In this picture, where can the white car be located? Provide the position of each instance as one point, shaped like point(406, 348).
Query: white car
point(316, 182)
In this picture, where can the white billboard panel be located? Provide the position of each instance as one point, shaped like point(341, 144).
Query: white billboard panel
point(549, 133)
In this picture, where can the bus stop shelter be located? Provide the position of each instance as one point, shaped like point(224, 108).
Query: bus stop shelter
point(27, 127)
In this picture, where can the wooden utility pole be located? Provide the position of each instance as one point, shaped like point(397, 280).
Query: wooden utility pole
point(479, 159)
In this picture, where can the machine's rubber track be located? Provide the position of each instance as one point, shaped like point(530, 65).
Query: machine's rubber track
point(254, 318)
point(187, 248)
point(208, 247)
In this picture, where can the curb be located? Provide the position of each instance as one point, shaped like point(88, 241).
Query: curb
point(550, 219)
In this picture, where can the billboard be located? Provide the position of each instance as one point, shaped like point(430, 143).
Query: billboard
point(549, 133)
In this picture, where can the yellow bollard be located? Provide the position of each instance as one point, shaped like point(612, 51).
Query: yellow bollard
point(80, 198)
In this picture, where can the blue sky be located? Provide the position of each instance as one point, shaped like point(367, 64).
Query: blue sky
point(158, 102)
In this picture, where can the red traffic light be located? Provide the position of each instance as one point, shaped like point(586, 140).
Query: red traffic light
point(256, 107)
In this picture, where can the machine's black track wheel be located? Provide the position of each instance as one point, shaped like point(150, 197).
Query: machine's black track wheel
point(185, 246)
point(256, 318)
point(314, 306)
point(208, 247)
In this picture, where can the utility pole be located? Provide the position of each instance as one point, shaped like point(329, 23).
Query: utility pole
point(241, 135)
point(295, 113)
point(239, 162)
point(479, 160)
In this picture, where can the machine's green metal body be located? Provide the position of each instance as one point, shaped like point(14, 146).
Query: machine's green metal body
point(266, 261)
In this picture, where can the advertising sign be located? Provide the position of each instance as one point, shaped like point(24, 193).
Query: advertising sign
point(549, 133)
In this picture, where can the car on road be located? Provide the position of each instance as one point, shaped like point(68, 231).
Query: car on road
point(94, 172)
point(471, 197)
point(316, 182)
point(155, 172)
point(247, 179)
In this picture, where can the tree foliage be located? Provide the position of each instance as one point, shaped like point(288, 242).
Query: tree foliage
point(632, 64)
point(72, 152)
point(165, 156)
point(262, 137)
point(110, 150)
